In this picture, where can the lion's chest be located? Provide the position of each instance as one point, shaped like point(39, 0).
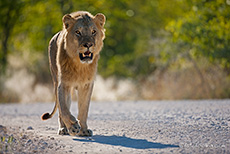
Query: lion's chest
point(75, 75)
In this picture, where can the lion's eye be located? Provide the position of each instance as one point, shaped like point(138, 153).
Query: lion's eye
point(94, 32)
point(78, 33)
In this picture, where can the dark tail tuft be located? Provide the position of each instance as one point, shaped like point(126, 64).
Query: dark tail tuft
point(45, 116)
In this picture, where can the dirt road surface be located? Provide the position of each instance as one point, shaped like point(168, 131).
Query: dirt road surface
point(121, 127)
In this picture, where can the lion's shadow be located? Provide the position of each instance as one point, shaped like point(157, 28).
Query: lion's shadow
point(125, 142)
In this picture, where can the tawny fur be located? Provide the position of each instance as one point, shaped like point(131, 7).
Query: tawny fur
point(69, 72)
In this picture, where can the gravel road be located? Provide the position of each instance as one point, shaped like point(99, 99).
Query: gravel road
point(121, 127)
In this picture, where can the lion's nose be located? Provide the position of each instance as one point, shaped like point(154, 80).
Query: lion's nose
point(88, 45)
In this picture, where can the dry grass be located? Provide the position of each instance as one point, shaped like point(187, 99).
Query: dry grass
point(176, 82)
point(187, 84)
point(22, 87)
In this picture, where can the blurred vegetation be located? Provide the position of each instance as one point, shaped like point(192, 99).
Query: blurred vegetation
point(204, 31)
point(142, 36)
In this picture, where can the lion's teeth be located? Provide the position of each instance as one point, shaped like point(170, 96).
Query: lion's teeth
point(83, 55)
point(90, 55)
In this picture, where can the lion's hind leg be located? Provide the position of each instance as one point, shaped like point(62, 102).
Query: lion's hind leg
point(62, 128)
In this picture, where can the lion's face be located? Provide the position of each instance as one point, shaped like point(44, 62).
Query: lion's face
point(84, 35)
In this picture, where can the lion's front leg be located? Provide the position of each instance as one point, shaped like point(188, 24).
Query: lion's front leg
point(84, 95)
point(66, 118)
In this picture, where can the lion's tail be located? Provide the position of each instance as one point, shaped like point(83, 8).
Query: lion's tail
point(46, 116)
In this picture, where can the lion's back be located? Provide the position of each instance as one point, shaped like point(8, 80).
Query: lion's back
point(53, 47)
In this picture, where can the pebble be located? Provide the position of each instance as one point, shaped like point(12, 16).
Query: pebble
point(29, 128)
point(29, 141)
point(24, 137)
point(222, 146)
point(3, 129)
point(50, 146)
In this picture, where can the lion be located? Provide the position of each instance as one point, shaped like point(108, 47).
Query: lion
point(73, 58)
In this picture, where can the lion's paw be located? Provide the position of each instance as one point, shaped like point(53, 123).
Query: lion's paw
point(63, 131)
point(86, 132)
point(74, 129)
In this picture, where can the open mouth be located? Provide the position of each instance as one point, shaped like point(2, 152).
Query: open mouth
point(86, 57)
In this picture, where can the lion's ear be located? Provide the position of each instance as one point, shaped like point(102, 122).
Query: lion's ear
point(68, 21)
point(100, 19)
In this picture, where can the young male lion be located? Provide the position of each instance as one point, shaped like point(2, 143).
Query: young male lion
point(73, 58)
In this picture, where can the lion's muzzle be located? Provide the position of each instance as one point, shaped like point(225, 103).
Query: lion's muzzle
point(86, 57)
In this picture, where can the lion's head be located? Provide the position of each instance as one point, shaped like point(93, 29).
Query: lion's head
point(84, 35)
